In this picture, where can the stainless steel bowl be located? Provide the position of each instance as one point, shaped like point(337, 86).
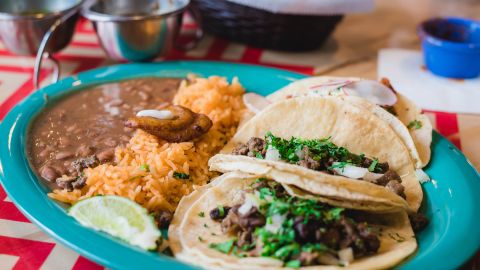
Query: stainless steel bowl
point(137, 30)
point(23, 23)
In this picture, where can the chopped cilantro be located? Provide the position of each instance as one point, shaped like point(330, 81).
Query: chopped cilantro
point(224, 247)
point(415, 124)
point(145, 167)
point(372, 166)
point(180, 175)
point(293, 264)
point(200, 239)
point(339, 165)
point(334, 213)
point(221, 210)
point(201, 214)
point(282, 244)
point(258, 155)
point(318, 149)
point(205, 225)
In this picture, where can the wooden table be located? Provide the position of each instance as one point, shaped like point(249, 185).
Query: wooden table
point(351, 52)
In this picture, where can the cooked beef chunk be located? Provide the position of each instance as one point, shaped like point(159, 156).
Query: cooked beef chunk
point(308, 161)
point(371, 241)
point(306, 231)
point(379, 168)
point(328, 163)
point(358, 237)
point(163, 219)
point(396, 187)
point(348, 233)
point(77, 180)
point(308, 258)
point(253, 147)
point(230, 222)
point(218, 215)
point(387, 177)
point(71, 182)
point(244, 238)
point(241, 150)
point(418, 221)
point(251, 219)
point(280, 192)
point(235, 221)
point(256, 145)
point(331, 237)
point(87, 162)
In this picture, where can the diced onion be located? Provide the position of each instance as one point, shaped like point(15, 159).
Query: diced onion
point(346, 256)
point(159, 114)
point(250, 201)
point(422, 176)
point(272, 154)
point(350, 171)
point(300, 154)
point(277, 221)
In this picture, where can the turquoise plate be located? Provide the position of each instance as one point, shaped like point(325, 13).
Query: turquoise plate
point(452, 237)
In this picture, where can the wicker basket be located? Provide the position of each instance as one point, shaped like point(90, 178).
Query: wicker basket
point(264, 29)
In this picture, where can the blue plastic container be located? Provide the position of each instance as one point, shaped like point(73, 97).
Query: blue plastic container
point(451, 47)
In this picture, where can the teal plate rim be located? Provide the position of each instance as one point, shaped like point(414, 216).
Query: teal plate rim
point(452, 237)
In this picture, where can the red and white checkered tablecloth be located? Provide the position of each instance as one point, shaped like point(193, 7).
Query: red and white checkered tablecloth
point(23, 245)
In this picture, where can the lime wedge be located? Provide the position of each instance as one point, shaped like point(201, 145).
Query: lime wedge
point(119, 217)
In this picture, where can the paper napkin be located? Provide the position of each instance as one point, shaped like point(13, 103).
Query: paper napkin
point(409, 76)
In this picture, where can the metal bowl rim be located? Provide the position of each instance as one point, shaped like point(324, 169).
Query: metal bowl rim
point(10, 16)
point(94, 16)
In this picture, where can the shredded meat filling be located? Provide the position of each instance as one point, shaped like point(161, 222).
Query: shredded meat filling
point(390, 179)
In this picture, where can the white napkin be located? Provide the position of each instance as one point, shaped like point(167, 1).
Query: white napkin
point(408, 75)
point(310, 7)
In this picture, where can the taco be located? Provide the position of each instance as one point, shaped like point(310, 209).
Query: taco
point(247, 222)
point(329, 147)
point(411, 125)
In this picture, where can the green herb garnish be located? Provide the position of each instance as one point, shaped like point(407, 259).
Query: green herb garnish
point(224, 247)
point(293, 264)
point(180, 175)
point(145, 167)
point(258, 155)
point(200, 239)
point(339, 165)
point(201, 214)
point(282, 244)
point(221, 210)
point(372, 166)
point(415, 124)
point(318, 149)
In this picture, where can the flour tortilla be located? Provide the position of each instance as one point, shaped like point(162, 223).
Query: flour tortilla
point(417, 140)
point(357, 129)
point(229, 192)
